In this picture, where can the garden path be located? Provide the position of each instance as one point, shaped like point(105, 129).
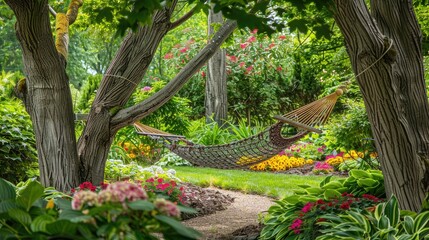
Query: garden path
point(244, 211)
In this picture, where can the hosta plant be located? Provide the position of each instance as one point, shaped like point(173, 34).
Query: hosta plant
point(294, 215)
point(385, 221)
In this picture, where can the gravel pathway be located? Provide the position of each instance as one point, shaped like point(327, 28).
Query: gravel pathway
point(244, 211)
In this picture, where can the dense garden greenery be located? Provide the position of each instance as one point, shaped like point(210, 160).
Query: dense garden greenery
point(267, 75)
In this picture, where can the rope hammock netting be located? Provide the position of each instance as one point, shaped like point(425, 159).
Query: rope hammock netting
point(252, 150)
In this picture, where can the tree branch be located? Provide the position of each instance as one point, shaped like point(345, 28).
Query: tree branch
point(183, 19)
point(129, 115)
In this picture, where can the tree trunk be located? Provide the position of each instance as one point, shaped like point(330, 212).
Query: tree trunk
point(216, 103)
point(393, 90)
point(46, 95)
point(121, 79)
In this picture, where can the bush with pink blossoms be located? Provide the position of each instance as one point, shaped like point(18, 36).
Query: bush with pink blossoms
point(124, 210)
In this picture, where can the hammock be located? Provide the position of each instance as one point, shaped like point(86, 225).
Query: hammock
point(252, 150)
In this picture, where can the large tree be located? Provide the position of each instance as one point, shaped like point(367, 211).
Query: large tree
point(63, 161)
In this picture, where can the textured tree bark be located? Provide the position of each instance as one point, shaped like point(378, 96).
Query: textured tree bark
point(216, 102)
point(46, 95)
point(393, 90)
point(121, 79)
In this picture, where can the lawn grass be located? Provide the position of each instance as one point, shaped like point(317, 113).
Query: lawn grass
point(275, 185)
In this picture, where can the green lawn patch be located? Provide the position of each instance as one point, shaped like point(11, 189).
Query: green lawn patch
point(275, 185)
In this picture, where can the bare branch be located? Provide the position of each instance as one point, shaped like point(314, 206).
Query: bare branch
point(183, 19)
point(129, 115)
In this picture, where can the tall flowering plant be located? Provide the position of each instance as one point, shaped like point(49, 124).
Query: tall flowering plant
point(124, 210)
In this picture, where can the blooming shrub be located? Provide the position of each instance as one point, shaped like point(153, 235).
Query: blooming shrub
point(281, 162)
point(125, 209)
point(306, 150)
point(165, 188)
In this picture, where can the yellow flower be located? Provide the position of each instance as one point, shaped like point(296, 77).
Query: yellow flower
point(50, 204)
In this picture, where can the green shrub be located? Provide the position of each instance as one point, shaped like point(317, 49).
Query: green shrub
point(351, 130)
point(386, 221)
point(17, 143)
point(171, 159)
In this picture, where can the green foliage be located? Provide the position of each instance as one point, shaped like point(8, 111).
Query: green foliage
point(364, 163)
point(209, 134)
point(351, 130)
point(171, 159)
point(117, 170)
point(87, 93)
point(296, 216)
point(386, 221)
point(7, 83)
point(17, 142)
point(25, 214)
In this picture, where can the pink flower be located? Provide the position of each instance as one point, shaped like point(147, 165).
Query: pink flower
point(296, 225)
point(183, 50)
point(126, 191)
point(162, 187)
point(307, 207)
point(150, 180)
point(84, 197)
point(242, 64)
point(168, 55)
point(146, 89)
point(251, 39)
point(254, 31)
point(244, 45)
point(160, 180)
point(166, 207)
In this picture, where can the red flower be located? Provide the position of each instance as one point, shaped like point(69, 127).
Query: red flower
point(160, 180)
point(150, 180)
point(73, 190)
point(168, 55)
point(233, 58)
point(282, 37)
point(345, 206)
point(248, 69)
point(251, 39)
point(203, 74)
point(296, 224)
point(104, 185)
point(279, 69)
point(183, 50)
point(320, 201)
point(271, 45)
point(244, 45)
point(242, 64)
point(321, 220)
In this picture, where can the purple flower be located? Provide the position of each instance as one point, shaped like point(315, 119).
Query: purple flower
point(146, 89)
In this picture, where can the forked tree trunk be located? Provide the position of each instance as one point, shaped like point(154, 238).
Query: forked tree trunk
point(46, 95)
point(216, 103)
point(393, 90)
